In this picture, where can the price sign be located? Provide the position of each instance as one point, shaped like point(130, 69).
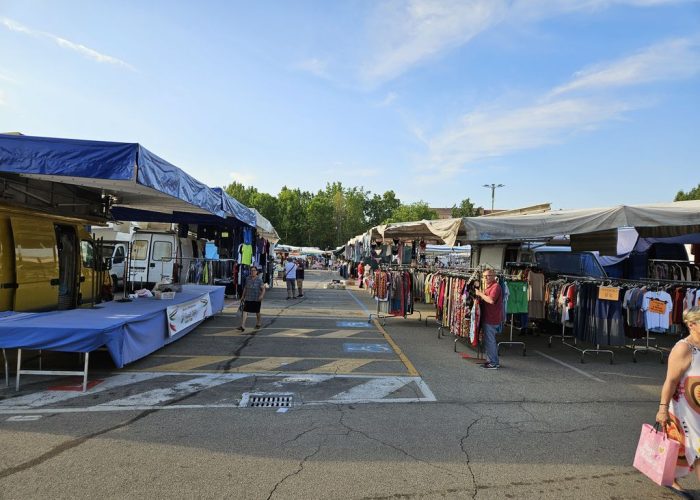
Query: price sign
point(657, 306)
point(608, 293)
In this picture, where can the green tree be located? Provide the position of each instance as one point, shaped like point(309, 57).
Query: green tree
point(378, 209)
point(413, 212)
point(321, 221)
point(465, 209)
point(693, 194)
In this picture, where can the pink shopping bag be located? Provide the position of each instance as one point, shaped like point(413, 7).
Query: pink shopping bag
point(656, 455)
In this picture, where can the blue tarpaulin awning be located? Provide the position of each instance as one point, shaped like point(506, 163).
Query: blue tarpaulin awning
point(141, 182)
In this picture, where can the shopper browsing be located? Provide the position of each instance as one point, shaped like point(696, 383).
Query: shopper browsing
point(300, 278)
point(290, 276)
point(491, 317)
point(253, 294)
point(679, 409)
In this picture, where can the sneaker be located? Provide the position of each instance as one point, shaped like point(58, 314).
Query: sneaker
point(241, 328)
point(490, 366)
point(300, 295)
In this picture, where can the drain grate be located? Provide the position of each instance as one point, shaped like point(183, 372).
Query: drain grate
point(266, 400)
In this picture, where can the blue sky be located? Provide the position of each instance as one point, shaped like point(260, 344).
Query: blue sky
point(580, 103)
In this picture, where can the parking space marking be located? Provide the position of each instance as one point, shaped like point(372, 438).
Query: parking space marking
point(269, 364)
point(192, 363)
point(580, 372)
point(369, 389)
point(374, 389)
point(50, 397)
point(342, 366)
point(160, 396)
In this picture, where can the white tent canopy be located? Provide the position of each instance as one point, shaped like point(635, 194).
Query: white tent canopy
point(265, 228)
point(662, 219)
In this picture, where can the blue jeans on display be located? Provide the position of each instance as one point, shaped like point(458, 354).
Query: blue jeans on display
point(490, 343)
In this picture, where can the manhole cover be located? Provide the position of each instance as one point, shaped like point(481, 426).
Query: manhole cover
point(266, 400)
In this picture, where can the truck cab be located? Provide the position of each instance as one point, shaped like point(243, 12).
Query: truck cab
point(159, 255)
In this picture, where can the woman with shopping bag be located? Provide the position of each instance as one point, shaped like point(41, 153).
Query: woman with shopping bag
point(679, 409)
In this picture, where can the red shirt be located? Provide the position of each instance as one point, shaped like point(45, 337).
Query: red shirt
point(492, 314)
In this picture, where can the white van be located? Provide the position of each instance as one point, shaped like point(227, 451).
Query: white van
point(158, 255)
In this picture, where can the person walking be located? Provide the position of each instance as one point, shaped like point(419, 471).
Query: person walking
point(679, 409)
point(491, 317)
point(290, 276)
point(252, 296)
point(300, 278)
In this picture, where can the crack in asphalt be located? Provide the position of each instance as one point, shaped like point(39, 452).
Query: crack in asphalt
point(350, 430)
point(303, 433)
point(462, 442)
point(236, 355)
point(300, 468)
point(73, 443)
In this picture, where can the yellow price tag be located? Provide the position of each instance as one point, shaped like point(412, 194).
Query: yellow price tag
point(608, 293)
point(657, 306)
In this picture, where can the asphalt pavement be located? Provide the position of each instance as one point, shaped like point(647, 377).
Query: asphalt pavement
point(322, 403)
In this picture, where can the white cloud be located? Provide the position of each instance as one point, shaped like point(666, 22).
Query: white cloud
point(390, 98)
point(3, 101)
point(482, 135)
point(670, 60)
point(402, 35)
point(408, 33)
point(245, 178)
point(316, 67)
point(66, 44)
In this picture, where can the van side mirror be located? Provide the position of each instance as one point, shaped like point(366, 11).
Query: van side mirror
point(107, 264)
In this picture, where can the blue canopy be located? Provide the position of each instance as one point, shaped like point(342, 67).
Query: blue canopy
point(141, 182)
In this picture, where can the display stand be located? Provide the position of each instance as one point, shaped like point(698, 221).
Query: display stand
point(379, 315)
point(511, 341)
point(646, 348)
point(20, 372)
point(596, 350)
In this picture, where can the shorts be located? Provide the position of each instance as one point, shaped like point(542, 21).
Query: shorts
point(251, 306)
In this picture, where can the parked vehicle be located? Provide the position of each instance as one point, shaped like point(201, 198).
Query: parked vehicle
point(47, 262)
point(159, 255)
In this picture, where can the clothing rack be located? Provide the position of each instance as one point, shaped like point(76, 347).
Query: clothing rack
point(510, 341)
point(381, 316)
point(563, 336)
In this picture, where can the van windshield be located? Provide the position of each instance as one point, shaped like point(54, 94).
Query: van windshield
point(570, 263)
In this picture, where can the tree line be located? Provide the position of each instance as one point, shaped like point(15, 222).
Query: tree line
point(333, 215)
point(330, 217)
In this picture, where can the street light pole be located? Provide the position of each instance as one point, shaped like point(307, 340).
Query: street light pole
point(493, 192)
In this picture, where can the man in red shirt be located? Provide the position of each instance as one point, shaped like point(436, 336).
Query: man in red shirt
point(491, 317)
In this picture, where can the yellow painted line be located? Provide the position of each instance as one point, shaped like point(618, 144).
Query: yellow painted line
point(293, 332)
point(342, 366)
point(269, 364)
point(191, 363)
point(339, 334)
point(407, 362)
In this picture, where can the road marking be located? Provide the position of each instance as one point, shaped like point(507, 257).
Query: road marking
point(50, 397)
point(24, 418)
point(404, 359)
point(581, 372)
point(374, 389)
point(192, 363)
point(339, 334)
point(160, 396)
point(269, 364)
point(371, 390)
point(342, 366)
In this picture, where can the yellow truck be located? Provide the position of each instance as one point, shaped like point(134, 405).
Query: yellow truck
point(47, 262)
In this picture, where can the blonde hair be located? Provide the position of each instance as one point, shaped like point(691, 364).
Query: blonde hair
point(691, 315)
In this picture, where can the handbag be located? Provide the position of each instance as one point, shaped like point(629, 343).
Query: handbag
point(656, 455)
